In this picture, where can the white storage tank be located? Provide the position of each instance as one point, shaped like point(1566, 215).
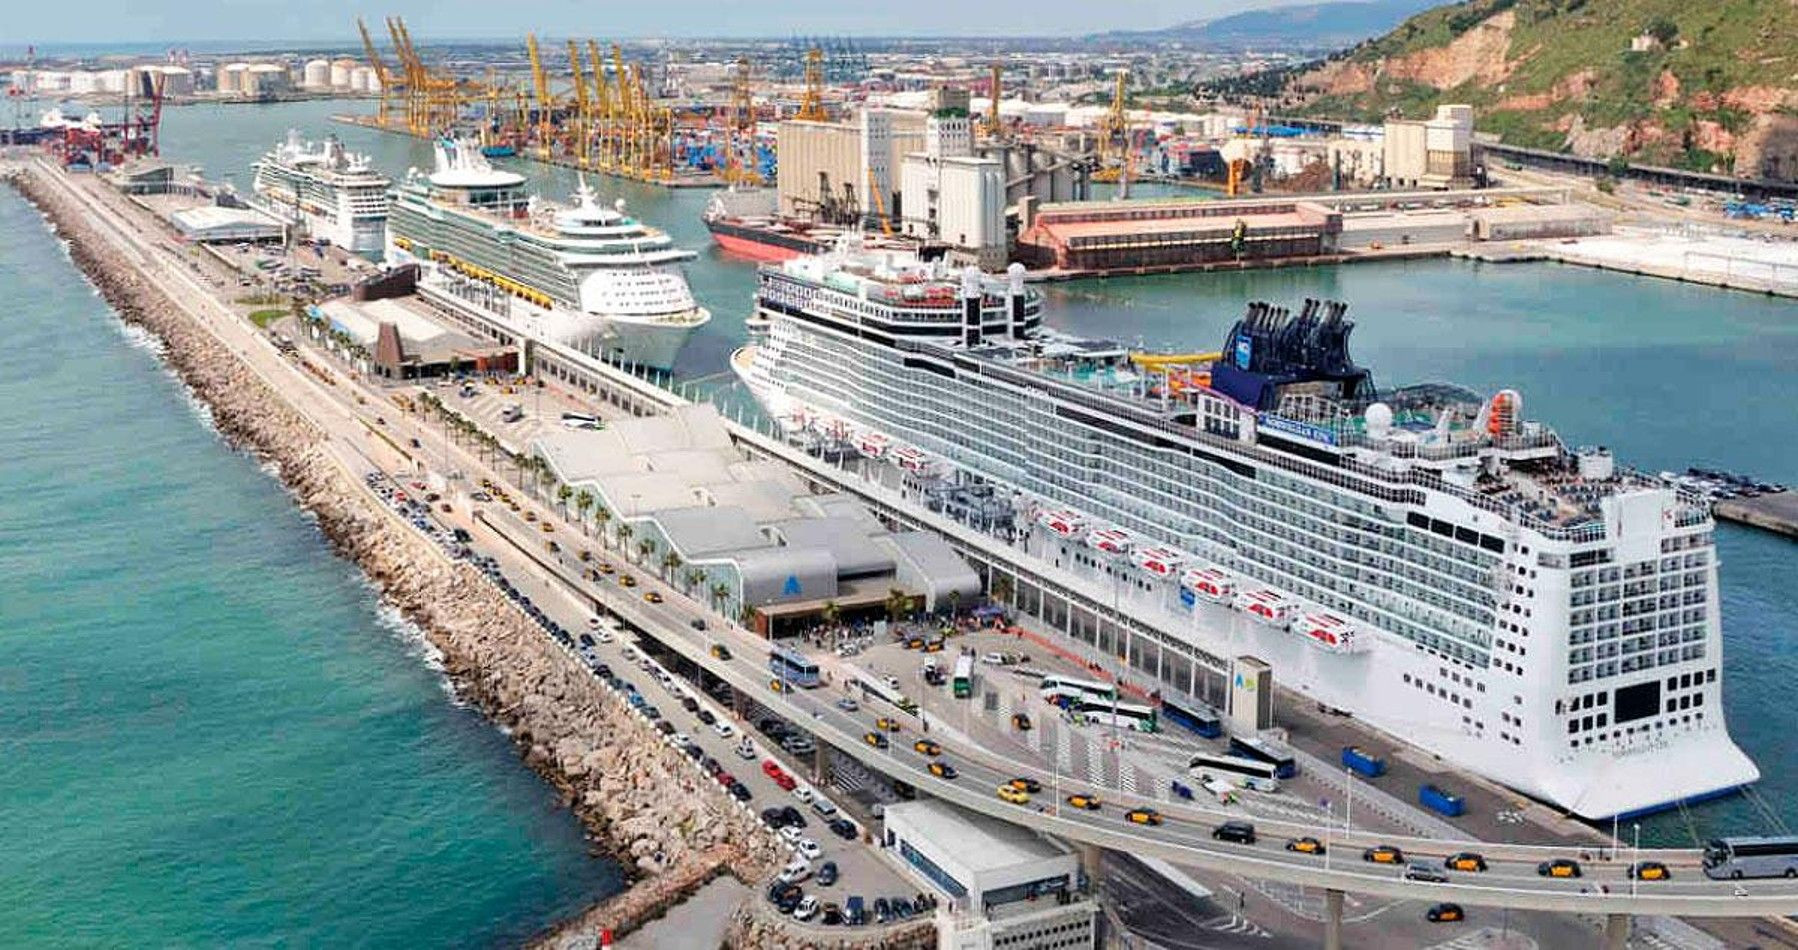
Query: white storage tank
point(316, 74)
point(83, 83)
point(233, 77)
point(266, 78)
point(342, 72)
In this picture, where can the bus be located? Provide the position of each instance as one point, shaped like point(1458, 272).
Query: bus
point(792, 667)
point(1262, 750)
point(1737, 858)
point(962, 683)
point(1193, 715)
point(1110, 712)
point(581, 420)
point(879, 690)
point(1055, 688)
point(1248, 773)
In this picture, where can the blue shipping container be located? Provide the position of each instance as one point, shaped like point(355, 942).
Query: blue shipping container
point(1438, 800)
point(1364, 763)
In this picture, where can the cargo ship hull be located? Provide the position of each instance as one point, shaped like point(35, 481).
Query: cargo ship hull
point(760, 243)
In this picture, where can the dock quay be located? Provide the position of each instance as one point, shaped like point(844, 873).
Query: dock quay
point(1777, 513)
point(679, 181)
point(1715, 260)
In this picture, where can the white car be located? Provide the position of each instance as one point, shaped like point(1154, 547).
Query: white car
point(803, 794)
point(725, 730)
point(993, 659)
point(807, 909)
point(746, 750)
point(807, 846)
point(630, 655)
point(680, 740)
point(793, 836)
point(795, 874)
point(602, 635)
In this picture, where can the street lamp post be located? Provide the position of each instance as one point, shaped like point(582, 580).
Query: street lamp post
point(1510, 818)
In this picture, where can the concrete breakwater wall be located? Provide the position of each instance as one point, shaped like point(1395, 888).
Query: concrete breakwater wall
point(640, 800)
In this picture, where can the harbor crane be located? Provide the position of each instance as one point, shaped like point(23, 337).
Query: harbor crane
point(811, 106)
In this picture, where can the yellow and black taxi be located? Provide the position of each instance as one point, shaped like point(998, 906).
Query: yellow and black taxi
point(1305, 845)
point(720, 651)
point(546, 526)
point(627, 580)
point(1383, 854)
point(875, 739)
point(942, 769)
point(585, 556)
point(887, 725)
point(1020, 722)
point(1559, 867)
point(1649, 871)
point(1016, 796)
point(605, 567)
point(927, 747)
point(1082, 800)
point(1026, 785)
point(1445, 914)
point(1465, 861)
point(779, 686)
point(653, 597)
point(1143, 816)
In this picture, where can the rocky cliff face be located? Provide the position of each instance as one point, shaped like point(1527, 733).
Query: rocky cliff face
point(641, 801)
point(1706, 87)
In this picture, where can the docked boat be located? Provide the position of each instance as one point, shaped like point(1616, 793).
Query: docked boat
point(1110, 541)
point(1326, 631)
point(1157, 562)
point(325, 190)
point(583, 275)
point(1508, 591)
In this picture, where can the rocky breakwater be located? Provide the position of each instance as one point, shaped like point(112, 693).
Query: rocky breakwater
point(758, 925)
point(641, 801)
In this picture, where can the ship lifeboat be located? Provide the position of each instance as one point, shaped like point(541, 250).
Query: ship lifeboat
point(1065, 523)
point(914, 460)
point(1268, 606)
point(872, 445)
point(1326, 631)
point(1209, 583)
point(1110, 541)
point(1157, 562)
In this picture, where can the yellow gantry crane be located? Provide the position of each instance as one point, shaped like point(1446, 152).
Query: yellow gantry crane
point(603, 117)
point(1114, 134)
point(993, 126)
point(583, 115)
point(545, 104)
point(739, 131)
point(811, 107)
point(391, 86)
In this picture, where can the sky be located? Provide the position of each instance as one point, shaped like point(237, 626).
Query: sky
point(273, 22)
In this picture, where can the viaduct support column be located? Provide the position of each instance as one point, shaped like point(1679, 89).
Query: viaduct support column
point(1332, 920)
point(1616, 931)
point(738, 705)
point(821, 767)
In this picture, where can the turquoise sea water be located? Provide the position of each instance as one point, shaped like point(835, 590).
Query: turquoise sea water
point(210, 733)
point(220, 770)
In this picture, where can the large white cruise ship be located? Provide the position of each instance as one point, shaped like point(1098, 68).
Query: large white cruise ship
point(1421, 557)
point(586, 276)
point(331, 193)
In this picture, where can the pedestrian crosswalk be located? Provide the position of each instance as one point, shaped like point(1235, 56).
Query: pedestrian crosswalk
point(1235, 924)
point(1486, 938)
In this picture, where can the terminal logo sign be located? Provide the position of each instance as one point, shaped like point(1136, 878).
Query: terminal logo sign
point(791, 588)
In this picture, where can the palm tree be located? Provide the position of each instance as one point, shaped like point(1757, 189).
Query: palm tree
point(831, 612)
point(603, 515)
point(583, 501)
point(671, 562)
point(720, 594)
point(896, 604)
point(563, 493)
point(695, 577)
point(1001, 588)
point(624, 537)
point(645, 548)
point(954, 603)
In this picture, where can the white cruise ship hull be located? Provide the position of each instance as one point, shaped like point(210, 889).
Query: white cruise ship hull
point(1489, 724)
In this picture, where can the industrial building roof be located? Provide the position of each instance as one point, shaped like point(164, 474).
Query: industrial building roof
point(215, 223)
point(856, 552)
point(706, 530)
point(982, 843)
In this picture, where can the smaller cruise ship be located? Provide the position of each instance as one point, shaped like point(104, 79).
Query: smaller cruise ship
point(583, 275)
point(326, 190)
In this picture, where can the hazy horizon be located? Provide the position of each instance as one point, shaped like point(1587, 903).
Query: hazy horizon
point(151, 24)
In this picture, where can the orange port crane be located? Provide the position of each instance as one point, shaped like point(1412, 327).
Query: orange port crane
point(391, 86)
point(811, 106)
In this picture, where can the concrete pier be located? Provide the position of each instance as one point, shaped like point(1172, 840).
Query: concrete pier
point(1776, 513)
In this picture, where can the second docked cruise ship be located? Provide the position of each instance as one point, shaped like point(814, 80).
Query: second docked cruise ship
point(330, 192)
point(1421, 557)
point(586, 276)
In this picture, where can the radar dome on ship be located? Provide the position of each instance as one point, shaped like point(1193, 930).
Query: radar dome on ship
point(1379, 421)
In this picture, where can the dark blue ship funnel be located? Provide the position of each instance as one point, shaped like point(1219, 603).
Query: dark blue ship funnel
point(1269, 349)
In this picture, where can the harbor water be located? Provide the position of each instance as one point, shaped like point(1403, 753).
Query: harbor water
point(213, 734)
point(1666, 375)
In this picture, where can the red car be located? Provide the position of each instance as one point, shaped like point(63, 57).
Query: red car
point(773, 770)
point(725, 778)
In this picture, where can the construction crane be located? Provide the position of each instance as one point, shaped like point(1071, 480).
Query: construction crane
point(740, 164)
point(993, 126)
point(602, 107)
point(583, 116)
point(880, 203)
point(540, 83)
point(811, 107)
point(390, 84)
point(1114, 135)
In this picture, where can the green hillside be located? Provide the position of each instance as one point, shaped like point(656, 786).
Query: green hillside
point(1712, 89)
